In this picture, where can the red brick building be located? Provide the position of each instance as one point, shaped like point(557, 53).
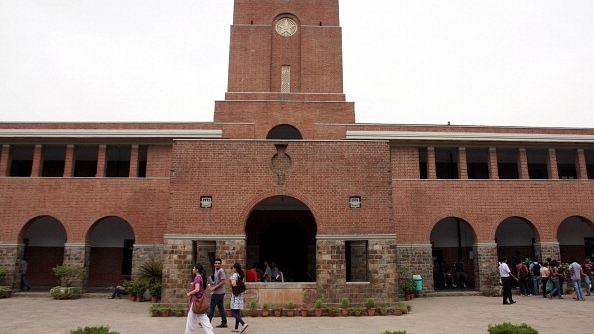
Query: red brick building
point(284, 174)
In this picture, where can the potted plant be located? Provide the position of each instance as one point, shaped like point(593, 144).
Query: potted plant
point(318, 310)
point(155, 290)
point(277, 310)
point(5, 291)
point(140, 290)
point(265, 309)
point(179, 310)
point(155, 310)
point(304, 311)
point(67, 276)
point(384, 309)
point(290, 308)
point(408, 287)
point(228, 308)
point(357, 311)
point(332, 311)
point(253, 308)
point(345, 303)
point(150, 273)
point(370, 306)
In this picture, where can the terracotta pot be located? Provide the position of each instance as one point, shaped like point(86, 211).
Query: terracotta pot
point(265, 313)
point(318, 312)
point(344, 312)
point(371, 311)
point(290, 312)
point(304, 312)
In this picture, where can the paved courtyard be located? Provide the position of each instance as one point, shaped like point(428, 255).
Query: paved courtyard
point(36, 313)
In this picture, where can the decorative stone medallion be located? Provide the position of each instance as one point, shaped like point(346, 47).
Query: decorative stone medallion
point(286, 27)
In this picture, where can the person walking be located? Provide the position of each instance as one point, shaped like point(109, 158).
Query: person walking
point(237, 300)
point(23, 274)
point(588, 268)
point(218, 294)
point(198, 290)
point(506, 276)
point(554, 277)
point(535, 273)
point(576, 273)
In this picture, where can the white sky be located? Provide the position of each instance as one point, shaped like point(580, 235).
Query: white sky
point(473, 62)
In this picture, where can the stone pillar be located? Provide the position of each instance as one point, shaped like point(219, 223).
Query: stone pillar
point(331, 269)
point(78, 254)
point(181, 252)
point(493, 169)
point(431, 172)
point(485, 264)
point(37, 159)
point(544, 250)
point(580, 164)
point(383, 273)
point(8, 259)
point(462, 165)
point(523, 164)
point(418, 259)
point(552, 164)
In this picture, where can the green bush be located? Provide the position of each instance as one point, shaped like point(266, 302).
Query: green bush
point(93, 330)
point(508, 328)
point(68, 275)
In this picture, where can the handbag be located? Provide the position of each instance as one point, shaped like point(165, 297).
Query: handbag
point(238, 288)
point(200, 305)
point(549, 286)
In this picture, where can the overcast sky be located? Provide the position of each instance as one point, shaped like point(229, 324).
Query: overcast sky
point(473, 62)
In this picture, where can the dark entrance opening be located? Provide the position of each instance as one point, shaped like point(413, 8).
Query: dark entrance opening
point(282, 229)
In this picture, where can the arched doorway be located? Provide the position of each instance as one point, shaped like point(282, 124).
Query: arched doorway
point(111, 240)
point(44, 238)
point(515, 238)
point(576, 238)
point(452, 239)
point(282, 229)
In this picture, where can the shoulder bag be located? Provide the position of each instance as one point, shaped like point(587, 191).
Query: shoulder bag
point(200, 305)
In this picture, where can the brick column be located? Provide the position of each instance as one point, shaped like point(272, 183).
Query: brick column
point(462, 166)
point(493, 169)
point(69, 161)
point(552, 164)
point(37, 158)
point(431, 172)
point(523, 164)
point(4, 157)
point(133, 162)
point(580, 165)
point(101, 161)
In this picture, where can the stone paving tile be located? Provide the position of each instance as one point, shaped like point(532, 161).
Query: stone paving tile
point(450, 314)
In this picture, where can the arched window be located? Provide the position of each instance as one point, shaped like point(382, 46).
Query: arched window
point(284, 131)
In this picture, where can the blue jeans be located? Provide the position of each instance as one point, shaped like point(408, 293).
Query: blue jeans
point(535, 284)
point(556, 287)
point(588, 280)
point(216, 300)
point(577, 286)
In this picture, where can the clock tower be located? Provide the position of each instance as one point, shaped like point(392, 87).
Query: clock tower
point(285, 68)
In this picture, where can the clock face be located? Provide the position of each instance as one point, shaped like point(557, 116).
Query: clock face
point(286, 27)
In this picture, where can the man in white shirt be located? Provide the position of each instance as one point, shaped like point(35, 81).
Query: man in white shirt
point(506, 276)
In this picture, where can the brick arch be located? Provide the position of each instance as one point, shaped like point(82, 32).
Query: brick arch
point(528, 223)
point(429, 229)
point(251, 204)
point(104, 219)
point(558, 223)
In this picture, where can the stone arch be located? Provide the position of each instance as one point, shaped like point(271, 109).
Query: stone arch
point(43, 239)
point(284, 131)
point(111, 241)
point(575, 235)
point(282, 229)
point(452, 238)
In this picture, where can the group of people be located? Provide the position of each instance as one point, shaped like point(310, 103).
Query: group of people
point(270, 273)
point(442, 275)
point(546, 279)
point(215, 284)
